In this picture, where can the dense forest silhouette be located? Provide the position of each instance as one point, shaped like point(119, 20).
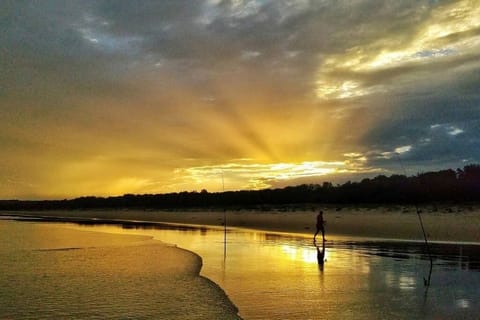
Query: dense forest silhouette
point(461, 185)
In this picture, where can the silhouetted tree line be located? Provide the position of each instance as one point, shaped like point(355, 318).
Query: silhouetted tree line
point(462, 185)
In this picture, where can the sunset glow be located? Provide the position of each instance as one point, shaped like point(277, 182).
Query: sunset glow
point(106, 98)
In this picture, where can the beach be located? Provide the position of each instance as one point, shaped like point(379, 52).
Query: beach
point(52, 271)
point(442, 223)
point(113, 260)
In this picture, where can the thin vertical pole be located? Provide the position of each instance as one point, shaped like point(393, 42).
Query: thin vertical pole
point(426, 282)
point(224, 223)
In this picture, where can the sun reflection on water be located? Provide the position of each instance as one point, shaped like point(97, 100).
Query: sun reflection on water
point(275, 275)
point(307, 255)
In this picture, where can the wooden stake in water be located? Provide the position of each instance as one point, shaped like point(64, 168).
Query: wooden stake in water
point(426, 281)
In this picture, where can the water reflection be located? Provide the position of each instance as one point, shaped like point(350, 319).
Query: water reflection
point(281, 275)
point(465, 256)
point(321, 253)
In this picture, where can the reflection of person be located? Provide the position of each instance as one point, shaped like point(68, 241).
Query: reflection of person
point(320, 255)
point(320, 226)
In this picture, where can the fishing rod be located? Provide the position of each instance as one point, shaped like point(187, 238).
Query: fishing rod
point(426, 281)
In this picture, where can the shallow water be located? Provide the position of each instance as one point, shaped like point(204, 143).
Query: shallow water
point(277, 276)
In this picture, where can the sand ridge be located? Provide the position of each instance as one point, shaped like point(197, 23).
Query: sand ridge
point(446, 223)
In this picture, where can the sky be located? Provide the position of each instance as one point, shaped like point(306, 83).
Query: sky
point(112, 97)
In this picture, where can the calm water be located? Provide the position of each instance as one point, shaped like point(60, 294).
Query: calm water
point(277, 276)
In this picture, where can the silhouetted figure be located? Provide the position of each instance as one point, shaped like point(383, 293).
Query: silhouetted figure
point(320, 226)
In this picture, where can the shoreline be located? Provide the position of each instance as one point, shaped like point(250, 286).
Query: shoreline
point(394, 223)
point(166, 261)
point(277, 222)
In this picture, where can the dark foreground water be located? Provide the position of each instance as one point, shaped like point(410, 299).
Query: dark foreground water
point(278, 276)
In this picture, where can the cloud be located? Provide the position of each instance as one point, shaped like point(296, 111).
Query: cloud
point(259, 176)
point(418, 52)
point(86, 85)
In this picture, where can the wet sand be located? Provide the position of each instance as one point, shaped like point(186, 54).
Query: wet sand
point(446, 223)
point(52, 271)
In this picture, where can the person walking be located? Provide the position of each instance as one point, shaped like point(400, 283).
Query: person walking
point(320, 226)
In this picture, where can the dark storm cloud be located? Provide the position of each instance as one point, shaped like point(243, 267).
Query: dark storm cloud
point(80, 41)
point(440, 125)
point(45, 55)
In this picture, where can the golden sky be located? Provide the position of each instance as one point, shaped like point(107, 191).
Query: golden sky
point(113, 97)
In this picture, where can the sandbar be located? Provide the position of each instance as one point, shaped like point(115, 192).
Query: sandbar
point(442, 223)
